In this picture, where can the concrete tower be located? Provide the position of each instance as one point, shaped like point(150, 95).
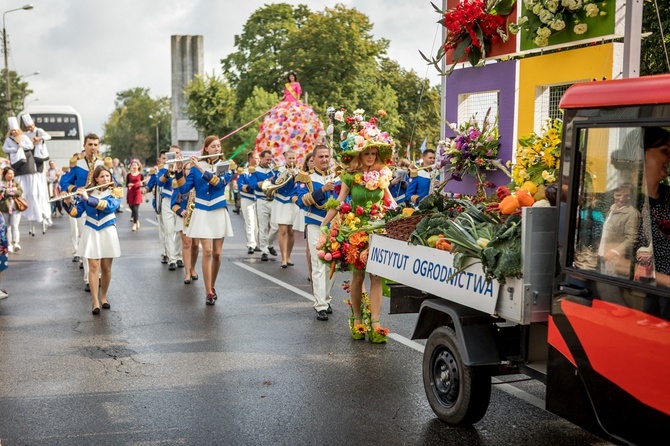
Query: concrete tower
point(187, 61)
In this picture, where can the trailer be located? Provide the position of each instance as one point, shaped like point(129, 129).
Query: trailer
point(597, 333)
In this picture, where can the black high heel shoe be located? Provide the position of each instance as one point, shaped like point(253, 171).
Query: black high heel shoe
point(106, 305)
point(187, 281)
point(96, 311)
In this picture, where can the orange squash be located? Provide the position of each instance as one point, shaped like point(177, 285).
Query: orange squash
point(524, 197)
point(508, 205)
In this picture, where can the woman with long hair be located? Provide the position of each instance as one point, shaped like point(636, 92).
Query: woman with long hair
point(209, 220)
point(11, 189)
point(366, 182)
point(99, 242)
point(134, 196)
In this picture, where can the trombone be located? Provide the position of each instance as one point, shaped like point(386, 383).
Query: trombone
point(72, 194)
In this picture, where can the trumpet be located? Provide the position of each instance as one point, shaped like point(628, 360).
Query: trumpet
point(72, 194)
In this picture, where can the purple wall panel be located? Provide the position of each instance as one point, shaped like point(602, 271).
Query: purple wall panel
point(498, 76)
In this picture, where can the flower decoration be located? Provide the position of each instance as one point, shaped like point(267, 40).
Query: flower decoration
point(472, 27)
point(366, 315)
point(358, 134)
point(347, 239)
point(538, 156)
point(473, 150)
point(544, 18)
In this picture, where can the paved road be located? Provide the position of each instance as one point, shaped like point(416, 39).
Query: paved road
point(256, 369)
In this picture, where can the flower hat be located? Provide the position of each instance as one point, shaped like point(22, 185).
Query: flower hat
point(360, 134)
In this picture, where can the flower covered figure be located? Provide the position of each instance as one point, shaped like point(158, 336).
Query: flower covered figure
point(359, 211)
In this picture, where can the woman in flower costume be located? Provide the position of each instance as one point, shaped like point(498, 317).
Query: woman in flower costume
point(365, 182)
point(290, 125)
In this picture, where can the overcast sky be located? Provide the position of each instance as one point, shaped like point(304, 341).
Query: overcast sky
point(88, 50)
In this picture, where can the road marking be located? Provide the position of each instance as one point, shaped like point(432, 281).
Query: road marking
point(155, 223)
point(297, 291)
point(508, 388)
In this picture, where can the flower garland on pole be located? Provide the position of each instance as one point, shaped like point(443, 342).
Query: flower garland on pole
point(472, 27)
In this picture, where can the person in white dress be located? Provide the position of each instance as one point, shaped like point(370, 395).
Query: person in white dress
point(41, 154)
point(209, 220)
point(99, 242)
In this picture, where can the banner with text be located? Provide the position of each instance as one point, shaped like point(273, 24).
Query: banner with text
point(431, 270)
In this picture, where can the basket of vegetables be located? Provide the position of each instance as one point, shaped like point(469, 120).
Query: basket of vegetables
point(402, 227)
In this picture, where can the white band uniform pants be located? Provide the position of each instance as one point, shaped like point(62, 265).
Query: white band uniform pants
point(321, 284)
point(172, 239)
point(267, 232)
point(250, 224)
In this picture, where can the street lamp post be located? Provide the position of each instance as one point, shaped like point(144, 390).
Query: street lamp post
point(8, 94)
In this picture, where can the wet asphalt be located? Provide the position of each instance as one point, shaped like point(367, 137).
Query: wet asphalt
point(257, 368)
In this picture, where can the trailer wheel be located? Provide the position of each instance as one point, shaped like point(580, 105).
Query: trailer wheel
point(458, 394)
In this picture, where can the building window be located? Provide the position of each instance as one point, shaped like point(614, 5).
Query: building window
point(477, 105)
point(547, 99)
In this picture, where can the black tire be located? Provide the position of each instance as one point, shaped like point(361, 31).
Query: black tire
point(459, 395)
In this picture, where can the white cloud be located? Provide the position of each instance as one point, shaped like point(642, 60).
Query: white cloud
point(88, 50)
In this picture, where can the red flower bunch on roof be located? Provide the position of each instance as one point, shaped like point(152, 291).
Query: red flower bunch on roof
point(471, 29)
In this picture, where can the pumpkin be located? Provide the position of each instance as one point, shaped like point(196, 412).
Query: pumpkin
point(508, 205)
point(530, 187)
point(407, 212)
point(525, 198)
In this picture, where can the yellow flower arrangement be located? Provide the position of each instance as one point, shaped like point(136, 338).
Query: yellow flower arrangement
point(538, 156)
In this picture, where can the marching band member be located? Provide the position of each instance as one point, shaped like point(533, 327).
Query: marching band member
point(248, 202)
point(209, 221)
point(182, 206)
point(312, 191)
point(284, 210)
point(399, 183)
point(38, 136)
point(299, 223)
point(168, 219)
point(267, 231)
point(80, 174)
point(420, 185)
point(99, 243)
point(156, 201)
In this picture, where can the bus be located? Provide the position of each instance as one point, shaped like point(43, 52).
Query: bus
point(64, 125)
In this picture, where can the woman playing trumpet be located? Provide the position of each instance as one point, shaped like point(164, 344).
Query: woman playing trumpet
point(99, 243)
point(209, 220)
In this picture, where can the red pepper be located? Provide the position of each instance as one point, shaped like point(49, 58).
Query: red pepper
point(502, 192)
point(336, 254)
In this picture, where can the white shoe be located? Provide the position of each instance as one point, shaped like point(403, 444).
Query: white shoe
point(17, 247)
point(10, 248)
point(3, 294)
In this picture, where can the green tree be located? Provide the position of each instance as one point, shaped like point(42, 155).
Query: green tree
point(210, 106)
point(419, 109)
point(653, 58)
point(258, 103)
point(256, 62)
point(19, 91)
point(130, 131)
point(339, 65)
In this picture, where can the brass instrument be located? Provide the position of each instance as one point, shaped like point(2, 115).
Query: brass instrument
point(72, 194)
point(190, 206)
point(200, 158)
point(270, 189)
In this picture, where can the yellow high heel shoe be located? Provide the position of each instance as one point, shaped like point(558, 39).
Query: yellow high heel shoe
point(357, 330)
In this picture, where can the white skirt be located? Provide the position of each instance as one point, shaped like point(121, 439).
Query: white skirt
point(283, 213)
point(103, 244)
point(209, 224)
point(299, 222)
point(36, 194)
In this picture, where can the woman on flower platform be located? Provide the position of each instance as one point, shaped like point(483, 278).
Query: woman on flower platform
point(366, 182)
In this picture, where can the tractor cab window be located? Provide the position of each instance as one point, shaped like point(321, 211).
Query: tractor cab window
point(623, 217)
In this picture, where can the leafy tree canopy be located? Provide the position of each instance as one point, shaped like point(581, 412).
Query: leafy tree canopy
point(130, 131)
point(19, 91)
point(654, 60)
